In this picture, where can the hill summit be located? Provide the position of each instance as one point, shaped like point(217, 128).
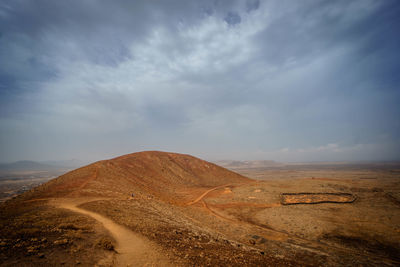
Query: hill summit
point(165, 175)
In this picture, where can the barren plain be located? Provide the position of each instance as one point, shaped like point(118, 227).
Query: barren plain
point(167, 209)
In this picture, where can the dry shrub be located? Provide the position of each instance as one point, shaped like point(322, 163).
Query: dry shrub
point(105, 243)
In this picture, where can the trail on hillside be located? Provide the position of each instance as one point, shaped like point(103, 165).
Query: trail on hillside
point(306, 244)
point(206, 193)
point(132, 249)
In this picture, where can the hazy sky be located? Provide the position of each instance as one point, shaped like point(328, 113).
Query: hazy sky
point(282, 80)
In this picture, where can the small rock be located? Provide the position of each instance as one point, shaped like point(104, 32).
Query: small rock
point(31, 250)
point(61, 242)
point(252, 241)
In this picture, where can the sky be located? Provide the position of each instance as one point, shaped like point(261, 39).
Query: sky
point(247, 80)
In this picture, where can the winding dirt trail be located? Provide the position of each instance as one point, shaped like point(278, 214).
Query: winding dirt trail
point(132, 249)
point(206, 193)
point(272, 234)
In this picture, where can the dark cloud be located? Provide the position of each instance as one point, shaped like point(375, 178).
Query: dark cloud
point(286, 80)
point(252, 5)
point(232, 18)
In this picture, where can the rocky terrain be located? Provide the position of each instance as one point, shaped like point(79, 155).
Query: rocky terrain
point(158, 208)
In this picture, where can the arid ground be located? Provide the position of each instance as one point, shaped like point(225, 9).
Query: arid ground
point(13, 184)
point(166, 209)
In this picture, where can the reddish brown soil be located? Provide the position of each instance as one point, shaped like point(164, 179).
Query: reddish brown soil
point(168, 176)
point(195, 213)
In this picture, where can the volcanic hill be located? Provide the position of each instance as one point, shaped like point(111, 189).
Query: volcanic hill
point(166, 209)
point(169, 176)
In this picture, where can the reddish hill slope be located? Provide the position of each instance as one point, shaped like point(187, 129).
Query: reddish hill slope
point(166, 175)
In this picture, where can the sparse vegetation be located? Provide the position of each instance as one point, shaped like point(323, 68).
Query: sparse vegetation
point(44, 235)
point(105, 243)
point(206, 223)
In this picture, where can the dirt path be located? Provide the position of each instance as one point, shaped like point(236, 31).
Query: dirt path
point(132, 249)
point(205, 193)
point(92, 178)
point(270, 234)
point(307, 244)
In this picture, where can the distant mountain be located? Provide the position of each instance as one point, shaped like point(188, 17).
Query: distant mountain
point(236, 164)
point(26, 165)
point(72, 163)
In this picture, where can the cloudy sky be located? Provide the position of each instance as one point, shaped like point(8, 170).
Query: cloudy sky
point(283, 80)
